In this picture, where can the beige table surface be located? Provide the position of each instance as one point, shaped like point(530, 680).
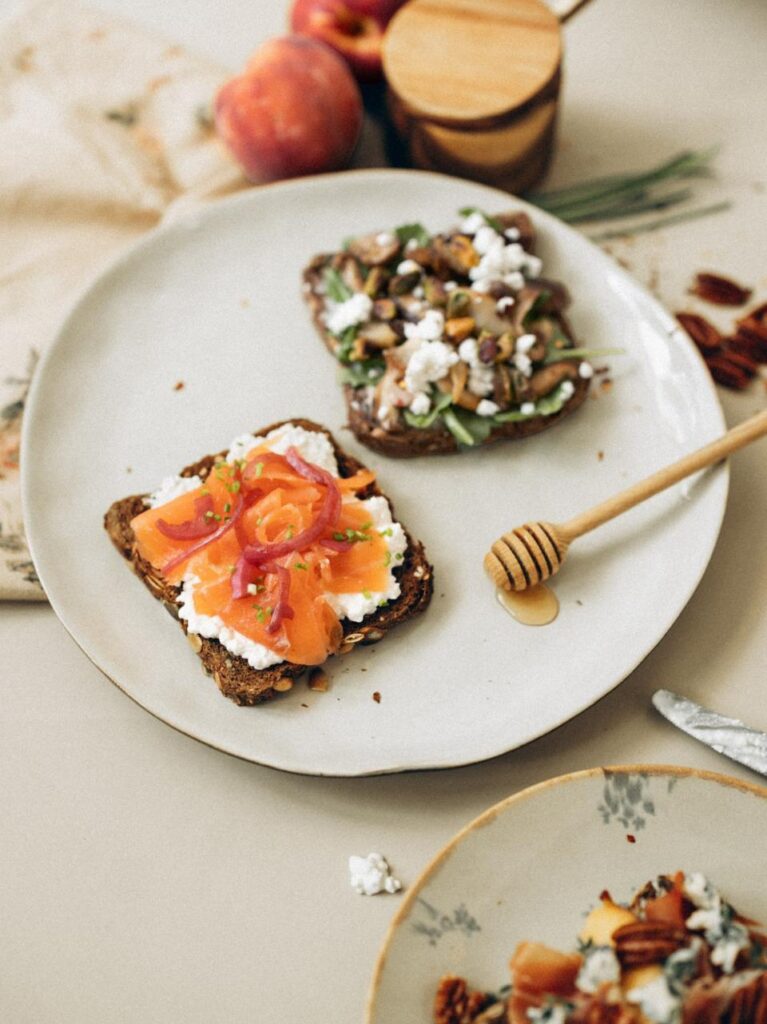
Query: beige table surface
point(147, 878)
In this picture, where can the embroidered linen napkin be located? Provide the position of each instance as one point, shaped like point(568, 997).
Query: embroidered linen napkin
point(104, 131)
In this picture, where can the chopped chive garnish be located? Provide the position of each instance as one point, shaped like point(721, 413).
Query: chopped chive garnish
point(259, 469)
point(300, 565)
point(387, 559)
point(366, 594)
point(339, 536)
point(388, 532)
point(289, 533)
point(227, 507)
point(259, 520)
point(399, 557)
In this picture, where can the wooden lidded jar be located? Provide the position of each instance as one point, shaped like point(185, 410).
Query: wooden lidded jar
point(473, 87)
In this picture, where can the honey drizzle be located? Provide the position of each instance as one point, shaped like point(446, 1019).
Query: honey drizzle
point(536, 606)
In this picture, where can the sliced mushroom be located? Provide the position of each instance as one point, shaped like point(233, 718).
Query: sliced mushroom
point(352, 275)
point(484, 312)
point(378, 334)
point(502, 391)
point(401, 284)
point(545, 380)
point(519, 220)
point(459, 374)
point(376, 249)
point(434, 291)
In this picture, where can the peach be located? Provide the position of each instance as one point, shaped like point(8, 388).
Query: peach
point(354, 28)
point(295, 110)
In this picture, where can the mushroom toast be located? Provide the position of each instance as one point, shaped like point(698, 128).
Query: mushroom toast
point(447, 341)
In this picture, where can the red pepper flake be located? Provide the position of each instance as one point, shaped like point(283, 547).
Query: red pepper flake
point(630, 838)
point(377, 697)
point(178, 386)
point(721, 291)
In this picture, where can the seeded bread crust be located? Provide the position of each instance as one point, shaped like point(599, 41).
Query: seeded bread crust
point(234, 677)
point(410, 442)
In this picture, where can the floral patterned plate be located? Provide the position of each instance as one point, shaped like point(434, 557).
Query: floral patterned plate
point(533, 865)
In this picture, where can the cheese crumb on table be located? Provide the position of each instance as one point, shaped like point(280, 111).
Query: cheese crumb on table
point(370, 875)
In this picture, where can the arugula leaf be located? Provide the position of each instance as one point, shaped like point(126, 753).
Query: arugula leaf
point(466, 427)
point(559, 355)
point(538, 307)
point(345, 342)
point(362, 373)
point(413, 232)
point(335, 287)
point(493, 222)
point(427, 419)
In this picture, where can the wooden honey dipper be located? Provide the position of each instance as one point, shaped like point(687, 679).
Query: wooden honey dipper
point(532, 553)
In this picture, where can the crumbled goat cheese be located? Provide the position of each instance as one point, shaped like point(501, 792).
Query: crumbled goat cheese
point(450, 286)
point(523, 363)
point(553, 1013)
point(357, 309)
point(411, 244)
point(567, 389)
point(527, 408)
point(173, 487)
point(656, 1001)
point(430, 362)
point(420, 404)
point(600, 965)
point(504, 303)
point(524, 343)
point(480, 374)
point(487, 408)
point(472, 223)
point(370, 875)
point(418, 293)
point(409, 267)
point(512, 234)
point(585, 371)
point(428, 328)
point(501, 261)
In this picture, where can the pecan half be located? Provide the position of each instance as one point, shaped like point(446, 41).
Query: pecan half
point(703, 333)
point(456, 1003)
point(722, 291)
point(726, 373)
point(647, 942)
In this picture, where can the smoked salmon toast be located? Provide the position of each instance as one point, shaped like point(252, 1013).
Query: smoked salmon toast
point(273, 556)
point(447, 341)
point(678, 953)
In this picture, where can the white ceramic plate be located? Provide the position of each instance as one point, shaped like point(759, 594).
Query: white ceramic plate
point(533, 865)
point(215, 301)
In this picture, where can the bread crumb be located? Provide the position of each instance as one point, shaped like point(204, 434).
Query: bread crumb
point(318, 681)
point(178, 386)
point(245, 303)
point(377, 697)
point(600, 455)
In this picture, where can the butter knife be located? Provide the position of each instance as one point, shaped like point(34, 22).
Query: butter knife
point(727, 736)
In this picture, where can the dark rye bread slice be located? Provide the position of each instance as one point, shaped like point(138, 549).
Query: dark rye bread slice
point(406, 441)
point(234, 677)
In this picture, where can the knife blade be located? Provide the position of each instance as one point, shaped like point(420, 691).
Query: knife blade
point(727, 736)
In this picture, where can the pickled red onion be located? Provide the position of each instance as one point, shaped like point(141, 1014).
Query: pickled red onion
point(224, 528)
point(192, 529)
point(282, 609)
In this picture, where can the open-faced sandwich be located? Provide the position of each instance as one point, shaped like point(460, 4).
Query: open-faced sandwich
point(450, 340)
point(273, 556)
point(678, 953)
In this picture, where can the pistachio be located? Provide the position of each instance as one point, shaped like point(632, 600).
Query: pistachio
point(376, 249)
point(505, 347)
point(434, 291)
point(457, 252)
point(458, 304)
point(384, 309)
point(458, 328)
point(458, 376)
point(401, 284)
point(375, 282)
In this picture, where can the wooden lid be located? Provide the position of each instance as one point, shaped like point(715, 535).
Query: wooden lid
point(471, 62)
